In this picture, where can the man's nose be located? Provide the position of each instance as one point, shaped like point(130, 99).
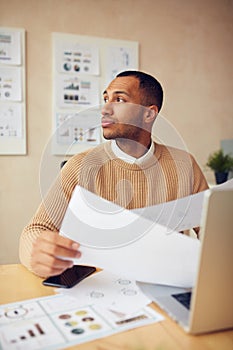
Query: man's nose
point(107, 109)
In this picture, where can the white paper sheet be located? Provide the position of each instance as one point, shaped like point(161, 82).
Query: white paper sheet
point(79, 128)
point(11, 84)
point(119, 59)
point(155, 258)
point(96, 222)
point(130, 245)
point(59, 322)
point(126, 244)
point(11, 120)
point(181, 214)
point(10, 47)
point(117, 294)
point(77, 91)
point(77, 58)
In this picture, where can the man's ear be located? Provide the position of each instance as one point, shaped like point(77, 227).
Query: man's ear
point(151, 114)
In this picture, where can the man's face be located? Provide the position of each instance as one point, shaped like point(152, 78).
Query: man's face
point(122, 113)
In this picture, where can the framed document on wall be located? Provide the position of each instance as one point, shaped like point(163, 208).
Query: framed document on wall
point(82, 68)
point(12, 92)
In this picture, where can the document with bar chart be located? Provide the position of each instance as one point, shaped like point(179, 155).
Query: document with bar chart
point(56, 322)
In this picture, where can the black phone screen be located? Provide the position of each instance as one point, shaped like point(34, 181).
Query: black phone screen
point(69, 277)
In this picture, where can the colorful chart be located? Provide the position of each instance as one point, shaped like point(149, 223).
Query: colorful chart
point(55, 322)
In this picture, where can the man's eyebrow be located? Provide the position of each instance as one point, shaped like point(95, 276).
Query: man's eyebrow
point(116, 92)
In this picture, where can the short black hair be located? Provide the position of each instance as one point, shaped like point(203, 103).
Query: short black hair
point(151, 87)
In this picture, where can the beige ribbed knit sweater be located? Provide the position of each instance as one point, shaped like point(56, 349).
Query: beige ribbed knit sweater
point(169, 175)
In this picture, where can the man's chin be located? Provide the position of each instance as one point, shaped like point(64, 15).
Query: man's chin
point(108, 136)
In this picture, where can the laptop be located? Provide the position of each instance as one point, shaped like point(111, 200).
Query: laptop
point(208, 306)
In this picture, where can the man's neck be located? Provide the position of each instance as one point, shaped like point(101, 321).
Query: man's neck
point(133, 148)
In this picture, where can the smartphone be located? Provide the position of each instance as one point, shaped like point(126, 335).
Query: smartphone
point(69, 277)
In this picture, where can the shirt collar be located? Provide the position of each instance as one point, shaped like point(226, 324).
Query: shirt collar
point(129, 159)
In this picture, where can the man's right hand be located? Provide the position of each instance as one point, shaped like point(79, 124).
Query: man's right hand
point(51, 254)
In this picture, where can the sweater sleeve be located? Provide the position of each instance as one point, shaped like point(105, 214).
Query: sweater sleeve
point(50, 213)
point(199, 184)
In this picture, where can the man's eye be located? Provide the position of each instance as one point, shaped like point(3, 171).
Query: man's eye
point(120, 99)
point(105, 99)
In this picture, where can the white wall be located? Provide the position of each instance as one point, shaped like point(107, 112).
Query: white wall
point(186, 44)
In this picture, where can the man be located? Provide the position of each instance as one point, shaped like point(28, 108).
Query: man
point(130, 170)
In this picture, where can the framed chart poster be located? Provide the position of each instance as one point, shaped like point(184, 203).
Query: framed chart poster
point(12, 92)
point(82, 67)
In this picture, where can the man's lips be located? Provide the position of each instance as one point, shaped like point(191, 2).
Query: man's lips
point(106, 122)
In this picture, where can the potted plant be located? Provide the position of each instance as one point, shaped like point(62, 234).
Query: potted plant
point(221, 164)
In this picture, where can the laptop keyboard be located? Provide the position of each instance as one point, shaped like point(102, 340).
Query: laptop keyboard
point(183, 298)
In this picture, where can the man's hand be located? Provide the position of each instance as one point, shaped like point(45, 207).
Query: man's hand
point(51, 253)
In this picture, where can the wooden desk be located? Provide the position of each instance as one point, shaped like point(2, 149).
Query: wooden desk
point(17, 283)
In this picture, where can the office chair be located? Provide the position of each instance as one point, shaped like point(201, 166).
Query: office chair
point(63, 163)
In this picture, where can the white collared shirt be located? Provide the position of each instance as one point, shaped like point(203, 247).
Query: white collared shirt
point(129, 159)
